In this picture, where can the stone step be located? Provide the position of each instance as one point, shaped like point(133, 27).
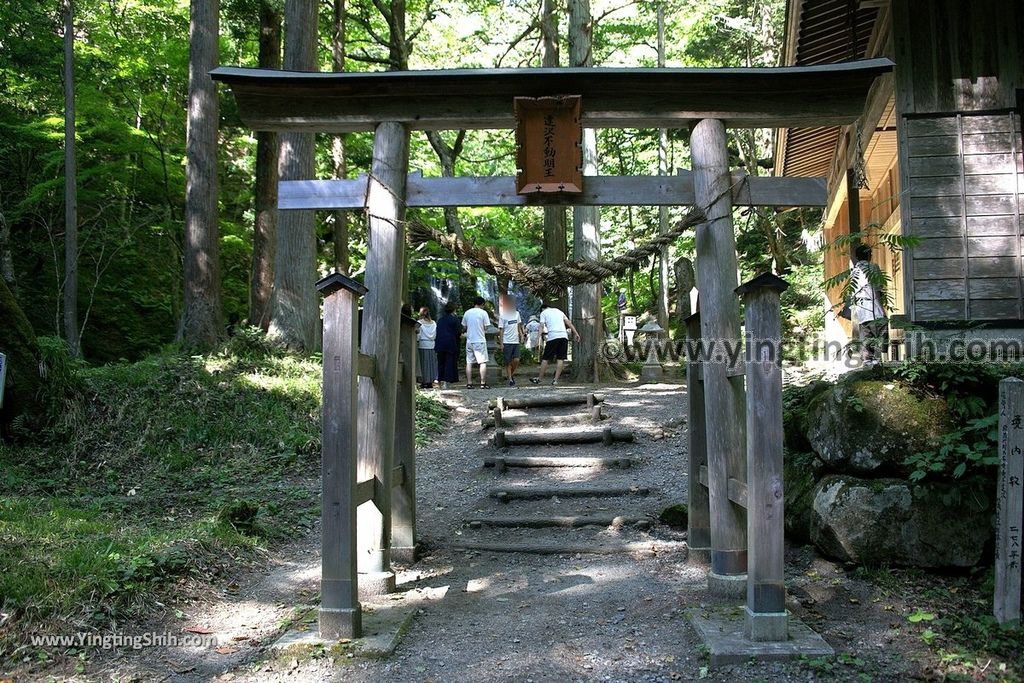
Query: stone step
point(504, 462)
point(564, 521)
point(506, 494)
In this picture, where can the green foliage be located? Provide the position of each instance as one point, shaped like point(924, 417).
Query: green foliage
point(970, 390)
point(159, 471)
point(966, 450)
point(431, 418)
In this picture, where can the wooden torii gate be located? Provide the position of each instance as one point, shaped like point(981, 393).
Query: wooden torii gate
point(359, 458)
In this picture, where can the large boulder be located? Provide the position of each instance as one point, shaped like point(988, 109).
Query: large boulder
point(871, 426)
point(891, 521)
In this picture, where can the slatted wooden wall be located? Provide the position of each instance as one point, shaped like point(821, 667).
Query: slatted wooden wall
point(959, 66)
point(964, 189)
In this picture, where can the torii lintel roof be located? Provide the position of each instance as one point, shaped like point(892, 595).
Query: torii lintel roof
point(777, 97)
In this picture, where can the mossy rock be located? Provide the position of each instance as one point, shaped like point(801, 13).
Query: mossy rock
point(800, 474)
point(871, 426)
point(795, 400)
point(890, 521)
point(676, 516)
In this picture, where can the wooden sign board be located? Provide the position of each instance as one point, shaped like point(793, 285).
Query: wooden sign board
point(1009, 501)
point(548, 152)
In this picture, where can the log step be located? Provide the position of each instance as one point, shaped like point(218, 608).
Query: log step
point(633, 548)
point(504, 462)
point(608, 436)
point(565, 522)
point(534, 493)
point(548, 401)
point(592, 417)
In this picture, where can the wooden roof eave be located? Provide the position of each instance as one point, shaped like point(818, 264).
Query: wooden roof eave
point(613, 98)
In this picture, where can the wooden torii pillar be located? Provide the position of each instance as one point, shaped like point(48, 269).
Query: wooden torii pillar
point(381, 330)
point(723, 376)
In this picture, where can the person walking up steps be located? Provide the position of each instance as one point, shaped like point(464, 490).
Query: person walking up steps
point(475, 321)
point(554, 328)
point(510, 326)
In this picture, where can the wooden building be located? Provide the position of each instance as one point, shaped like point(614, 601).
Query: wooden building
point(935, 154)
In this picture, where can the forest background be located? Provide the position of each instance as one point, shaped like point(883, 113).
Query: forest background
point(131, 68)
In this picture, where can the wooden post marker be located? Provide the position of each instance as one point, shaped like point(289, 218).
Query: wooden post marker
point(340, 614)
point(1009, 497)
point(403, 509)
point(766, 587)
point(385, 263)
point(723, 381)
point(698, 535)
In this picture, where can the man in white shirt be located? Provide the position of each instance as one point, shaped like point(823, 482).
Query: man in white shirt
point(476, 321)
point(510, 326)
point(554, 328)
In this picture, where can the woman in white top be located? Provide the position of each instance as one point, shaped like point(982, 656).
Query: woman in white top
point(533, 333)
point(426, 335)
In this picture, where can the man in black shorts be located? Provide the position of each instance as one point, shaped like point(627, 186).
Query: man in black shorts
point(554, 326)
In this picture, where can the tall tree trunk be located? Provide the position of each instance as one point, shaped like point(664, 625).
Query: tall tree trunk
point(201, 317)
point(554, 216)
point(71, 332)
point(586, 220)
point(341, 223)
point(6, 257)
point(295, 317)
point(267, 153)
point(447, 155)
point(664, 256)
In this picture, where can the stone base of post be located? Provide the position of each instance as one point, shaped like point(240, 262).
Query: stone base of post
point(724, 586)
point(336, 624)
point(376, 583)
point(405, 554)
point(699, 555)
point(767, 626)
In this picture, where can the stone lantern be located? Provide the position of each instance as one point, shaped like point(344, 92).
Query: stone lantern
point(652, 370)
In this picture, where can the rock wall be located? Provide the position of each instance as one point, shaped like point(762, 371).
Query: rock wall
point(846, 483)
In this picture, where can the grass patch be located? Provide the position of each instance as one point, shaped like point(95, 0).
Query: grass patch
point(154, 474)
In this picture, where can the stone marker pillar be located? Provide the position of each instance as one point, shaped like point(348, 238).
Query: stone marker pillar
point(403, 502)
point(766, 584)
point(723, 376)
point(1009, 498)
point(340, 613)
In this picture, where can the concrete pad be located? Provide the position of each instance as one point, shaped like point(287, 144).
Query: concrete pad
point(384, 622)
point(723, 631)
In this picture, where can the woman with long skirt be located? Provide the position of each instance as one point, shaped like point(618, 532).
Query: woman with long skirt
point(446, 347)
point(426, 336)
